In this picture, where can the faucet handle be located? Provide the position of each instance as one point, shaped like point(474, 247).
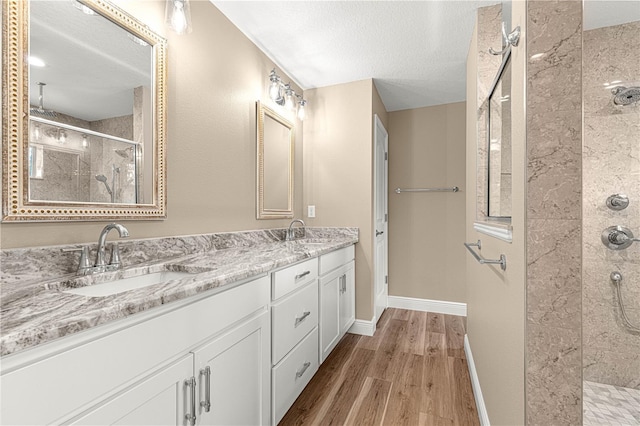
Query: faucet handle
point(83, 265)
point(115, 255)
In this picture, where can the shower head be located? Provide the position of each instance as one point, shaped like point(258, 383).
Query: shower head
point(124, 153)
point(103, 179)
point(625, 95)
point(40, 109)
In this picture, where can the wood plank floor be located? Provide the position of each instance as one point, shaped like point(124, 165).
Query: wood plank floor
point(413, 371)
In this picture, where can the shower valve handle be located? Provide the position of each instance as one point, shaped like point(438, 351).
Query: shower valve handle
point(618, 237)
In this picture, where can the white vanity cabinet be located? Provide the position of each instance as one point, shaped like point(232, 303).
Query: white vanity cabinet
point(337, 297)
point(294, 318)
point(135, 370)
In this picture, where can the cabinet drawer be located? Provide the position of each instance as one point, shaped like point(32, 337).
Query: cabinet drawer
point(287, 280)
point(293, 373)
point(292, 319)
point(331, 261)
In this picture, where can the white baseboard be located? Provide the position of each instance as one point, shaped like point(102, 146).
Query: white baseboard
point(363, 327)
point(475, 384)
point(426, 305)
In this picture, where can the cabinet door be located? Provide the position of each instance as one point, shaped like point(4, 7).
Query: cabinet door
point(239, 380)
point(157, 400)
point(347, 300)
point(329, 314)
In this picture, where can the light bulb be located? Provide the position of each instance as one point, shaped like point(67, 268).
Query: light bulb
point(85, 143)
point(301, 113)
point(289, 102)
point(178, 16)
point(36, 132)
point(274, 91)
point(62, 136)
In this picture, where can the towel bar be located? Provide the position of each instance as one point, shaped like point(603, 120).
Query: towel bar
point(481, 260)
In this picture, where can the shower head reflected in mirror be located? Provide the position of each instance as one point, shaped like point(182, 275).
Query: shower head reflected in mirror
point(625, 95)
point(124, 153)
point(103, 179)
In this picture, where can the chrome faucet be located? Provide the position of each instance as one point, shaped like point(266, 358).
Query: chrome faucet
point(289, 236)
point(114, 263)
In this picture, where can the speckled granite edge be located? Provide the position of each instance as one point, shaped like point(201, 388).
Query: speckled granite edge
point(35, 309)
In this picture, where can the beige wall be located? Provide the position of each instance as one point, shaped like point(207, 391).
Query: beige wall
point(215, 76)
point(496, 299)
point(338, 159)
point(426, 230)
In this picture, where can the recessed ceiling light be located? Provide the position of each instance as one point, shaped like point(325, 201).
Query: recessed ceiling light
point(36, 62)
point(83, 8)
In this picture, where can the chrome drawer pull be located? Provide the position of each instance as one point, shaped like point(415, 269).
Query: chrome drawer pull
point(299, 373)
point(191, 417)
point(302, 318)
point(302, 275)
point(206, 372)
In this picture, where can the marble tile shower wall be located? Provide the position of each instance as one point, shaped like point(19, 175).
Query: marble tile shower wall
point(69, 168)
point(553, 208)
point(611, 161)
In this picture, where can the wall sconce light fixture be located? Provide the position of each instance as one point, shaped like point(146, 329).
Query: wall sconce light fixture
point(178, 16)
point(62, 136)
point(283, 95)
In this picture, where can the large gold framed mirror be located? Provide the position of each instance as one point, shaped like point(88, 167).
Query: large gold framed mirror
point(83, 113)
point(275, 143)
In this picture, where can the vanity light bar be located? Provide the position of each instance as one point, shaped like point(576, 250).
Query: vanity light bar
point(283, 95)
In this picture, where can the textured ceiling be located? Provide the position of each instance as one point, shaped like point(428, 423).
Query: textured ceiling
point(92, 65)
point(415, 51)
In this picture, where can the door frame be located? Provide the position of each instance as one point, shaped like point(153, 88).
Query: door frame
point(379, 131)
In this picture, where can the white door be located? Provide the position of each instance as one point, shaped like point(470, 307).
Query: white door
point(161, 399)
point(347, 299)
point(380, 231)
point(329, 313)
point(239, 369)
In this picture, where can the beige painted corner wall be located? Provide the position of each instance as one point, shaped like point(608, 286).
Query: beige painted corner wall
point(496, 299)
point(426, 230)
point(338, 159)
point(215, 76)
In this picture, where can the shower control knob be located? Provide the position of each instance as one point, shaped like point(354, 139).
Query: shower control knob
point(617, 237)
point(617, 202)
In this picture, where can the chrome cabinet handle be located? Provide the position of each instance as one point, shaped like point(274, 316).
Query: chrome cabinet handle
point(206, 372)
point(343, 284)
point(191, 417)
point(304, 274)
point(302, 318)
point(300, 372)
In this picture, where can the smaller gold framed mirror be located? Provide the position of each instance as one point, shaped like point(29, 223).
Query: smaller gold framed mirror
point(275, 144)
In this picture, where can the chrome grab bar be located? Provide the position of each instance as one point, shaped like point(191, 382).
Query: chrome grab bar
point(481, 260)
point(454, 189)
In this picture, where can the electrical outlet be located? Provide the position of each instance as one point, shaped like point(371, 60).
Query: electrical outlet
point(311, 211)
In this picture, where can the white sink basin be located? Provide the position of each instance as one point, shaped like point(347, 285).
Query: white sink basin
point(126, 284)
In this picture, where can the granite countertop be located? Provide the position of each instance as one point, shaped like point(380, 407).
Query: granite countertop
point(37, 311)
